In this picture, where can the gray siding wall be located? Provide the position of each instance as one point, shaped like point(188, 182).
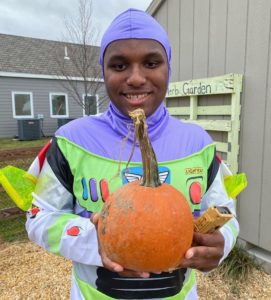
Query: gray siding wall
point(40, 88)
point(215, 37)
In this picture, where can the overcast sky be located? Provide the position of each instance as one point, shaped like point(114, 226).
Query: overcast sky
point(45, 18)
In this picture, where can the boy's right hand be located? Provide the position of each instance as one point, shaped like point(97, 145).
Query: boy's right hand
point(108, 263)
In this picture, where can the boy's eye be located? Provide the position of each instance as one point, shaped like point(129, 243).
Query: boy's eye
point(152, 64)
point(118, 67)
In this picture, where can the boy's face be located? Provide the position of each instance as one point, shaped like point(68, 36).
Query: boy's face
point(136, 74)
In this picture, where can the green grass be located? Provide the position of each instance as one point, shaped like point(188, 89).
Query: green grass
point(15, 144)
point(13, 229)
point(5, 201)
point(238, 265)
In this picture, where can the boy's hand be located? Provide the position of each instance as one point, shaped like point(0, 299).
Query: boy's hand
point(205, 253)
point(109, 264)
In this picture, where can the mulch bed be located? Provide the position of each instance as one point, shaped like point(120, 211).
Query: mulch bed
point(10, 213)
point(28, 272)
point(21, 153)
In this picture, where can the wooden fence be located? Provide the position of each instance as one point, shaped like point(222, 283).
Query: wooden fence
point(214, 104)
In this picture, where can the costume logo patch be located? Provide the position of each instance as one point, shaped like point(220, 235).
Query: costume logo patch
point(136, 173)
point(73, 231)
point(33, 212)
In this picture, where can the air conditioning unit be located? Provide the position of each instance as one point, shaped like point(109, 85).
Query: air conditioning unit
point(29, 129)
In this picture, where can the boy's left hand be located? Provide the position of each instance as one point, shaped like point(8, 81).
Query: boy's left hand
point(205, 253)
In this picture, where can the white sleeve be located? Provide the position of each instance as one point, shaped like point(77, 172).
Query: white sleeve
point(217, 196)
point(53, 224)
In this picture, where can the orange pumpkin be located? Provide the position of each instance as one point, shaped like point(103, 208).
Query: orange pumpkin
point(145, 225)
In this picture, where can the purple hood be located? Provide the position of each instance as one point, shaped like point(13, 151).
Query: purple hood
point(135, 24)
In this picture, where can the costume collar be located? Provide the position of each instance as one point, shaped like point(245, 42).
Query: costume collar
point(123, 124)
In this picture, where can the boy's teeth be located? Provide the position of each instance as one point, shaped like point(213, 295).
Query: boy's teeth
point(135, 97)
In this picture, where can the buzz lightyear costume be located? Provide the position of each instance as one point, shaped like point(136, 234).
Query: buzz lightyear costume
point(81, 169)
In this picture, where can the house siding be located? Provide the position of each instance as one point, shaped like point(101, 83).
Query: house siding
point(215, 37)
point(40, 89)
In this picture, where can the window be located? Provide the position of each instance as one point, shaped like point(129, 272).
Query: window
point(59, 105)
point(22, 105)
point(90, 105)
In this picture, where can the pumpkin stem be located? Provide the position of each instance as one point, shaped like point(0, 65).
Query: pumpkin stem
point(149, 161)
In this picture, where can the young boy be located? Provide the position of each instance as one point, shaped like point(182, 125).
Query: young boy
point(83, 159)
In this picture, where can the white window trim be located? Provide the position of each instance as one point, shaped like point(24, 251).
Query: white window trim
point(13, 104)
point(97, 103)
point(51, 106)
point(53, 77)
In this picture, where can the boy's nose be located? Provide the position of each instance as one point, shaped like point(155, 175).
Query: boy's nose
point(136, 77)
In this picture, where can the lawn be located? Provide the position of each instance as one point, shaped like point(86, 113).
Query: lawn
point(16, 144)
point(13, 229)
point(5, 201)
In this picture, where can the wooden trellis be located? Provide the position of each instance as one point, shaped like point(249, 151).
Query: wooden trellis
point(219, 117)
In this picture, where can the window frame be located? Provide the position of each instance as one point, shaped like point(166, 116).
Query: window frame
point(97, 104)
point(66, 103)
point(14, 93)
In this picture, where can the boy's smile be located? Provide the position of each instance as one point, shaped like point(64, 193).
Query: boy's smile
point(136, 74)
